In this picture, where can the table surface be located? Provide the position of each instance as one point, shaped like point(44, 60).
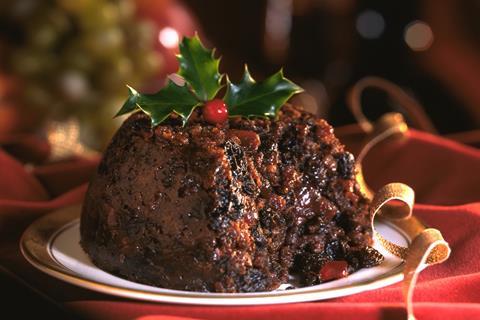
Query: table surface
point(444, 174)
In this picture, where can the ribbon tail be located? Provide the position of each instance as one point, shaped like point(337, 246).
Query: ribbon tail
point(394, 202)
point(427, 248)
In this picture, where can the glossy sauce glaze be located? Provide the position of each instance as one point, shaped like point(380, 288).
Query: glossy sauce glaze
point(235, 207)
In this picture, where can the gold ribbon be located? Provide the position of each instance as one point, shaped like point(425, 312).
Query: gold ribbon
point(415, 112)
point(394, 202)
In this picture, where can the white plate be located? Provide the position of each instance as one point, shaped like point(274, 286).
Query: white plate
point(51, 244)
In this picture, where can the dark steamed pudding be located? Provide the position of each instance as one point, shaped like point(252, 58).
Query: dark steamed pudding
point(236, 207)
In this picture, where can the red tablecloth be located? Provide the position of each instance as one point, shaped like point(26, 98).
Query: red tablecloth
point(444, 174)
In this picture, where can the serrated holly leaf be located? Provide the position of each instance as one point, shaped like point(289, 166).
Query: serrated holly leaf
point(250, 98)
point(170, 99)
point(131, 103)
point(199, 68)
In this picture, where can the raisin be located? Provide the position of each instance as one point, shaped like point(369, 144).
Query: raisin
point(345, 165)
point(371, 257)
point(343, 220)
point(316, 170)
point(365, 258)
point(308, 266)
point(259, 239)
point(335, 249)
point(236, 158)
point(334, 270)
point(254, 280)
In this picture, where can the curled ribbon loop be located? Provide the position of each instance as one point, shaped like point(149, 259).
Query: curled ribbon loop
point(414, 110)
point(394, 202)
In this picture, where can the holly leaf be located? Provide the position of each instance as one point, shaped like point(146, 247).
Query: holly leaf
point(158, 106)
point(250, 98)
point(199, 68)
point(131, 103)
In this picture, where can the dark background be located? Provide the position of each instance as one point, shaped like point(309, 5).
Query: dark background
point(325, 46)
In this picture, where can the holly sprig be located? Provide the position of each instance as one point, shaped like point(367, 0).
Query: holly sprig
point(202, 81)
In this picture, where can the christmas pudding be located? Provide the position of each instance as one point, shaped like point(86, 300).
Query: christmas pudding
point(225, 195)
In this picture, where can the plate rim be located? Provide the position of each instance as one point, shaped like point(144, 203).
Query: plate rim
point(37, 239)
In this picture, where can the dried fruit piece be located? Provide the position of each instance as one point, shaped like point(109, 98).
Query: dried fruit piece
point(334, 270)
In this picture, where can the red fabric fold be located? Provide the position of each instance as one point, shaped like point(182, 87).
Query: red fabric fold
point(444, 174)
point(439, 170)
point(326, 310)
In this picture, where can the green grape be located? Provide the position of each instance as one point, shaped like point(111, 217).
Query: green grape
point(44, 36)
point(60, 20)
point(126, 9)
point(28, 62)
point(151, 62)
point(122, 67)
point(38, 30)
point(143, 33)
point(75, 6)
point(77, 56)
point(109, 81)
point(102, 15)
point(103, 42)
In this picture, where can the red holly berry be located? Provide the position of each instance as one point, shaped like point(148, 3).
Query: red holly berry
point(215, 111)
point(334, 270)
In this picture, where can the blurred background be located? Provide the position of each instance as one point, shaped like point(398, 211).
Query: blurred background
point(64, 64)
